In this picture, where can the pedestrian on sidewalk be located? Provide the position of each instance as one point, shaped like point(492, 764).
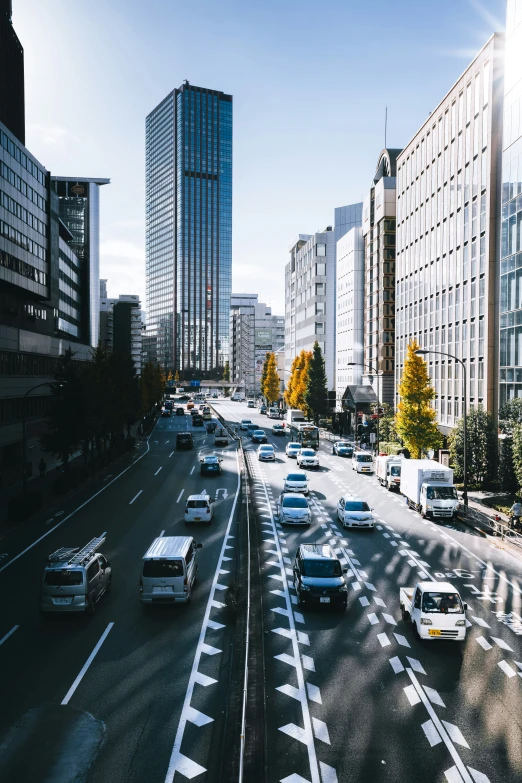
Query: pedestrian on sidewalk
point(515, 512)
point(42, 467)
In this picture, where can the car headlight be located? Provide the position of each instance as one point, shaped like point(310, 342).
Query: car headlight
point(343, 589)
point(425, 621)
point(305, 587)
point(460, 622)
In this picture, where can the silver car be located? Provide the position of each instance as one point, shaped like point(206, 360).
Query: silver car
point(266, 453)
point(293, 449)
point(293, 509)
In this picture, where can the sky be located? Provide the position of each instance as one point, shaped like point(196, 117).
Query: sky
point(310, 82)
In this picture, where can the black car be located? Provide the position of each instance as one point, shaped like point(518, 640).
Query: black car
point(211, 427)
point(197, 420)
point(263, 409)
point(184, 440)
point(180, 411)
point(166, 412)
point(169, 405)
point(210, 465)
point(342, 448)
point(259, 436)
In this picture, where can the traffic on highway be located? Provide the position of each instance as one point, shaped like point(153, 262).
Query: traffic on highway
point(385, 637)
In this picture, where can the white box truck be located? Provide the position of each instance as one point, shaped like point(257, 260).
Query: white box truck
point(294, 416)
point(428, 487)
point(388, 471)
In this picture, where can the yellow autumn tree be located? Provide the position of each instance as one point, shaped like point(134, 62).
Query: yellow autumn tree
point(271, 382)
point(291, 381)
point(300, 381)
point(416, 419)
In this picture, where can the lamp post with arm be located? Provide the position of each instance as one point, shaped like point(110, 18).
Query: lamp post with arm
point(374, 372)
point(422, 352)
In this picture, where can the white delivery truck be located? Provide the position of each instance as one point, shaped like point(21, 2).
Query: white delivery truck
point(428, 487)
point(388, 471)
point(294, 416)
point(435, 610)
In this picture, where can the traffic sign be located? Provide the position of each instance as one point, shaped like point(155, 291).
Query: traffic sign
point(195, 383)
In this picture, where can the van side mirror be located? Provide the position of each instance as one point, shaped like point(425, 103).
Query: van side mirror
point(345, 570)
point(465, 607)
point(199, 546)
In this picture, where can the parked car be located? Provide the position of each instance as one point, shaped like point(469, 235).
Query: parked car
point(342, 448)
point(210, 465)
point(296, 482)
point(266, 453)
point(292, 449)
point(259, 436)
point(278, 429)
point(293, 509)
point(319, 577)
point(354, 512)
point(199, 508)
point(307, 458)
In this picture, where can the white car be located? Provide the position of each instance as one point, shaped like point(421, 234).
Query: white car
point(293, 449)
point(362, 462)
point(307, 458)
point(296, 482)
point(266, 453)
point(245, 424)
point(293, 509)
point(354, 512)
point(251, 404)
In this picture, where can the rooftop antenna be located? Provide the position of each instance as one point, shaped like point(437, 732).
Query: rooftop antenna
point(385, 125)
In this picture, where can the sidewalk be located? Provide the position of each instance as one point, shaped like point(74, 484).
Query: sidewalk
point(481, 519)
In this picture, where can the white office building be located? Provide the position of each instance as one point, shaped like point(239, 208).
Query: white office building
point(350, 311)
point(448, 179)
point(254, 332)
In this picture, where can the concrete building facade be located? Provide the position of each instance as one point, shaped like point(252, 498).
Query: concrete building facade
point(350, 311)
point(447, 238)
point(121, 325)
point(254, 332)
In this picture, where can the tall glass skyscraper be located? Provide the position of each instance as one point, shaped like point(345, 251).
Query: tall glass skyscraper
point(511, 246)
point(189, 228)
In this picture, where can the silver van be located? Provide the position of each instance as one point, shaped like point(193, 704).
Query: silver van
point(75, 579)
point(168, 570)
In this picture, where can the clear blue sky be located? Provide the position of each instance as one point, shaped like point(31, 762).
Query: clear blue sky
point(310, 81)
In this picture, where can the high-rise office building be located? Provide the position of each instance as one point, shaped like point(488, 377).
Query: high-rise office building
point(121, 325)
point(511, 245)
point(350, 311)
point(79, 209)
point(378, 230)
point(189, 229)
point(12, 101)
point(254, 332)
point(448, 179)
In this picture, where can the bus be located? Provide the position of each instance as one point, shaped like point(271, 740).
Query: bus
point(305, 434)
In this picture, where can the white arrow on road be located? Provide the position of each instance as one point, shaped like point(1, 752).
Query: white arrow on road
point(225, 493)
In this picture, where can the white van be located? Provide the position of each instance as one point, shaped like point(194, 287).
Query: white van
point(199, 508)
point(168, 570)
point(362, 462)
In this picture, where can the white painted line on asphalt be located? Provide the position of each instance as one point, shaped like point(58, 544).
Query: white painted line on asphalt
point(82, 505)
point(506, 668)
point(135, 497)
point(86, 665)
point(192, 471)
point(401, 639)
point(383, 639)
point(171, 453)
point(483, 643)
point(434, 696)
point(179, 496)
point(158, 470)
point(396, 664)
point(502, 644)
point(372, 617)
point(8, 634)
point(161, 534)
point(178, 762)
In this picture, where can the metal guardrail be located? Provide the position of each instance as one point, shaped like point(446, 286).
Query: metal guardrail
point(247, 634)
point(495, 527)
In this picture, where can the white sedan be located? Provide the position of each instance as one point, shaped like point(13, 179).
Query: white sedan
point(307, 458)
point(293, 449)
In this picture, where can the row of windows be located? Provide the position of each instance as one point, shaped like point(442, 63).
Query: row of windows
point(20, 184)
point(18, 363)
point(22, 268)
point(12, 409)
point(22, 213)
point(11, 233)
point(22, 158)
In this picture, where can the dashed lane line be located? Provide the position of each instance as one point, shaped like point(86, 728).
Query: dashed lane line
point(135, 497)
point(9, 634)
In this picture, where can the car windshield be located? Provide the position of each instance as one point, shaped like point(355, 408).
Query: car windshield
point(64, 578)
point(196, 504)
point(342, 445)
point(296, 477)
point(295, 503)
point(266, 447)
point(364, 458)
point(441, 493)
point(322, 568)
point(441, 603)
point(395, 470)
point(307, 453)
point(211, 460)
point(162, 568)
point(356, 505)
point(259, 432)
point(246, 421)
point(294, 446)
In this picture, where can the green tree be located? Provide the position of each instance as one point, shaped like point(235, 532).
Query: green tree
point(506, 468)
point(517, 453)
point(510, 414)
point(66, 424)
point(316, 391)
point(271, 384)
point(226, 371)
point(415, 421)
point(481, 446)
point(387, 430)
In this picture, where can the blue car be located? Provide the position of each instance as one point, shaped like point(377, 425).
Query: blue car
point(342, 448)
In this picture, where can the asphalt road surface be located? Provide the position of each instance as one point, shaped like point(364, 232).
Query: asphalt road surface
point(148, 705)
point(356, 698)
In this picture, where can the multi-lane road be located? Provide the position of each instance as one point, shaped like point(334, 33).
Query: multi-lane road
point(134, 695)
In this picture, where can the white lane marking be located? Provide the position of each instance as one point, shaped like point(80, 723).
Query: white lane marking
point(178, 762)
point(434, 696)
point(502, 644)
point(396, 664)
point(192, 471)
point(171, 453)
point(179, 496)
point(158, 470)
point(483, 643)
point(383, 639)
point(8, 634)
point(135, 497)
point(86, 665)
point(372, 617)
point(506, 668)
point(466, 777)
point(52, 529)
point(161, 534)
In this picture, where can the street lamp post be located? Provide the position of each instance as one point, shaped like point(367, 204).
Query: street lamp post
point(422, 352)
point(373, 371)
